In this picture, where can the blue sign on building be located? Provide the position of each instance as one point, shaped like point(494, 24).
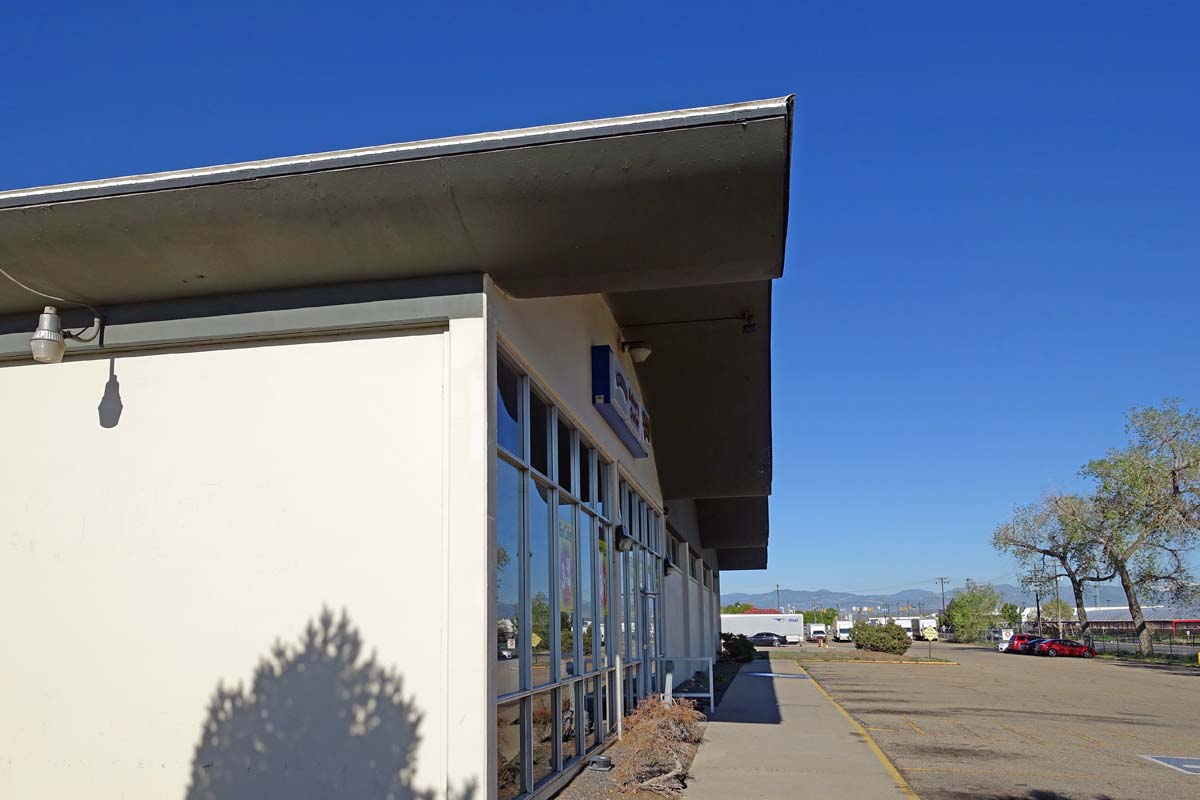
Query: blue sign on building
point(614, 397)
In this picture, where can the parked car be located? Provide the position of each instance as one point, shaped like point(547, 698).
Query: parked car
point(1063, 647)
point(1019, 642)
point(767, 639)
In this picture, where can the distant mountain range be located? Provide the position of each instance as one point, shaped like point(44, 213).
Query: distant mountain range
point(825, 598)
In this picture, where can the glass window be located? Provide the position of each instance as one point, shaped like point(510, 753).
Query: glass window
point(543, 735)
point(587, 614)
point(564, 457)
point(604, 490)
point(585, 474)
point(610, 700)
point(631, 690)
point(508, 577)
point(509, 744)
point(539, 434)
point(508, 408)
point(569, 722)
point(604, 622)
point(540, 582)
point(591, 714)
point(567, 565)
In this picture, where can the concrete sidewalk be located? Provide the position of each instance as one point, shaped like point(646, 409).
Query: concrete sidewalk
point(783, 737)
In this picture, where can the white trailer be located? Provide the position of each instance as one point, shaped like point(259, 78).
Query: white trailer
point(790, 626)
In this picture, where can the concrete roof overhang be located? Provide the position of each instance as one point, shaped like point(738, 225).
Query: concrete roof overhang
point(679, 218)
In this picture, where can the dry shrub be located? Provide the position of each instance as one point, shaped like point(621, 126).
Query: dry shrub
point(658, 738)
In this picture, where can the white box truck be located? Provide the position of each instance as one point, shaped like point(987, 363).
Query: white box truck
point(790, 626)
point(816, 630)
point(842, 629)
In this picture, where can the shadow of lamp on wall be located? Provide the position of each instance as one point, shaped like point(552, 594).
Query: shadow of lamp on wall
point(110, 407)
point(319, 721)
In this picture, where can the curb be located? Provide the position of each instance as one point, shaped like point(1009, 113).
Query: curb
point(876, 661)
point(901, 783)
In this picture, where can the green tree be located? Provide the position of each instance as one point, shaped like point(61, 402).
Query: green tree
point(824, 616)
point(736, 608)
point(1058, 610)
point(973, 611)
point(1058, 529)
point(1146, 508)
point(1012, 614)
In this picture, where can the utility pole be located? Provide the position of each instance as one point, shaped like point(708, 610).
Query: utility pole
point(1058, 605)
point(778, 603)
point(1097, 595)
point(942, 581)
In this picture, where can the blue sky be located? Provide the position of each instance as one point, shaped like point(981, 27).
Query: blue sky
point(993, 250)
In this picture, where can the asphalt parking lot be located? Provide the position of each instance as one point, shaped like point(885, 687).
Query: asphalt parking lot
point(1011, 726)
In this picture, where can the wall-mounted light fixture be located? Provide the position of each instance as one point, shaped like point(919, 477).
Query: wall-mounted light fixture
point(49, 340)
point(638, 351)
point(624, 540)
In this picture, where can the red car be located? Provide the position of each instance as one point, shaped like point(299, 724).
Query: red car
point(1017, 643)
point(1063, 647)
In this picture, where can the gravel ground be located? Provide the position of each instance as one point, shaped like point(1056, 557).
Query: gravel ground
point(1007, 726)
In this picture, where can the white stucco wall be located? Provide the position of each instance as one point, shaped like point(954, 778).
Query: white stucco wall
point(695, 618)
point(675, 611)
point(242, 490)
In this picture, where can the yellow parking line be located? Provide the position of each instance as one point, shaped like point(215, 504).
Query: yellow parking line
point(915, 727)
point(1090, 740)
point(1023, 734)
point(962, 727)
point(887, 764)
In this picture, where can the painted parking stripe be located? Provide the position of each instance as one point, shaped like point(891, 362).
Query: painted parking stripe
point(1188, 766)
point(775, 675)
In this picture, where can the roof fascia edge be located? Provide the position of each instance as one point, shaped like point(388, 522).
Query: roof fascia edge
point(410, 151)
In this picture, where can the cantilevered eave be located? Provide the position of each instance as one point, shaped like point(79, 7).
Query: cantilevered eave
point(408, 151)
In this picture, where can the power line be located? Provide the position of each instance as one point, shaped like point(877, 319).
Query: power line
point(942, 580)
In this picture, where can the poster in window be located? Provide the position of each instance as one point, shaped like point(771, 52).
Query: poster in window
point(566, 562)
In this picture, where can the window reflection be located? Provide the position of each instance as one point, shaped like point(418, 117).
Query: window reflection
point(509, 743)
point(604, 490)
point(567, 566)
point(543, 735)
point(559, 579)
point(604, 624)
point(569, 722)
point(586, 581)
point(591, 708)
point(508, 408)
point(585, 473)
point(539, 434)
point(508, 577)
point(564, 457)
point(540, 581)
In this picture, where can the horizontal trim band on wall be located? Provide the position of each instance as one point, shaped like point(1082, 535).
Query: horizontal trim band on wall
point(354, 308)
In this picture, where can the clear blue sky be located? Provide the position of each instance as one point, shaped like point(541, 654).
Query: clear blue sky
point(995, 235)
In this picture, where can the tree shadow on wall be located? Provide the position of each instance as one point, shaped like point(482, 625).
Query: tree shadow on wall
point(318, 722)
